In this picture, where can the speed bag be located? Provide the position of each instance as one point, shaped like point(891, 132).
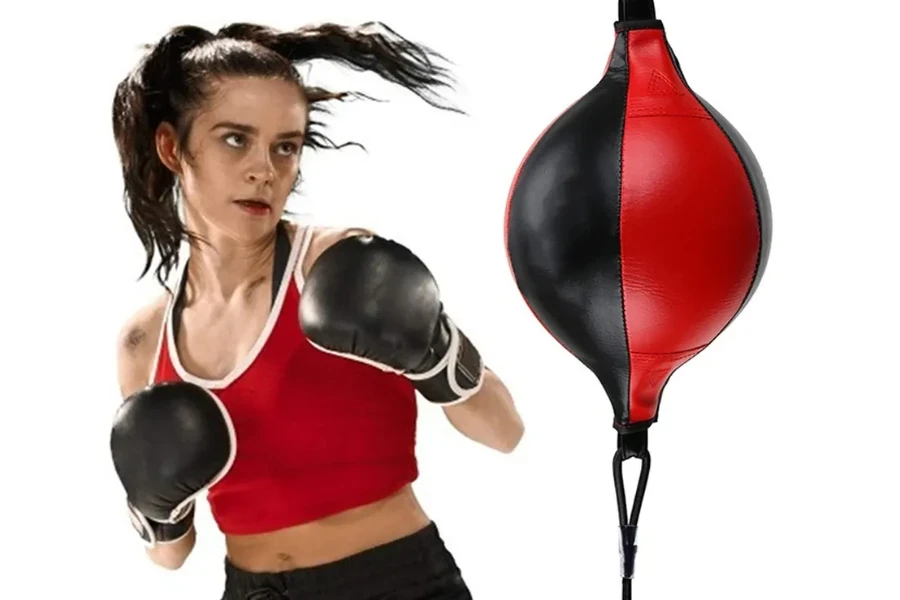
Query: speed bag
point(638, 225)
point(637, 228)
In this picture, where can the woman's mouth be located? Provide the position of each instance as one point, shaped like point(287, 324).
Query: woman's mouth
point(254, 207)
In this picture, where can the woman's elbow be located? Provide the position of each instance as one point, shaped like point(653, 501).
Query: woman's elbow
point(511, 442)
point(167, 560)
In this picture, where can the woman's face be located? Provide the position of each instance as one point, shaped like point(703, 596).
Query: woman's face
point(244, 156)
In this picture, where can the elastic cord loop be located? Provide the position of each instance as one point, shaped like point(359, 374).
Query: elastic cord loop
point(631, 445)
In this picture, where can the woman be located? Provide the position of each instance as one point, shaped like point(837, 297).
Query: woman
point(301, 430)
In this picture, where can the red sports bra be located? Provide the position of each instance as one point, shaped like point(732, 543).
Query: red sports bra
point(316, 434)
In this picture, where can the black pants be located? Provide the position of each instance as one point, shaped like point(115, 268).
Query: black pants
point(416, 567)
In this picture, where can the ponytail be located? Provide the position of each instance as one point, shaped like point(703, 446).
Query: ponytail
point(142, 101)
point(372, 47)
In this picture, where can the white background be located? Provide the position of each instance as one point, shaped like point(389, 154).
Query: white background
point(774, 472)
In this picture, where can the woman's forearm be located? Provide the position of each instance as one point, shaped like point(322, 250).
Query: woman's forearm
point(489, 417)
point(172, 555)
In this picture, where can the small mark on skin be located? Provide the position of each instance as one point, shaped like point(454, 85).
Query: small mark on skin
point(135, 337)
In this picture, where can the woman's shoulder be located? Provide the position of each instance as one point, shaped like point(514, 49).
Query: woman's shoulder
point(323, 234)
point(321, 237)
point(137, 342)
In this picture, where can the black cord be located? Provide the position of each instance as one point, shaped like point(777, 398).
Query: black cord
point(626, 589)
point(636, 10)
point(631, 445)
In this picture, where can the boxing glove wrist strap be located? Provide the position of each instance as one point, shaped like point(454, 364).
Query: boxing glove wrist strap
point(157, 532)
point(457, 376)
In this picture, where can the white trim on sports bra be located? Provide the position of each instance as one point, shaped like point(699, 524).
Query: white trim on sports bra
point(299, 278)
point(292, 273)
point(160, 338)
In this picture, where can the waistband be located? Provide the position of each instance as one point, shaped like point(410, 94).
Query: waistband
point(409, 561)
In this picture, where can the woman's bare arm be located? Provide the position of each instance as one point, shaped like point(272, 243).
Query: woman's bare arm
point(489, 416)
point(135, 352)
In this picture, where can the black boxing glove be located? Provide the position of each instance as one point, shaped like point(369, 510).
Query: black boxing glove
point(170, 442)
point(371, 299)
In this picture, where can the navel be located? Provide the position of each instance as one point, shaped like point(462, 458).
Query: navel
point(285, 561)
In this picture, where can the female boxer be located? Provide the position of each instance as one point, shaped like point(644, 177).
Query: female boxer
point(279, 373)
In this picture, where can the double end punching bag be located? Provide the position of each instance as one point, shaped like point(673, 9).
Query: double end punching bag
point(638, 227)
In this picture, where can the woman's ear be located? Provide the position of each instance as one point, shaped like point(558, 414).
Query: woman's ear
point(167, 146)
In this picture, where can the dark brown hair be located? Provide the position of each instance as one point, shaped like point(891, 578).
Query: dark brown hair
point(176, 77)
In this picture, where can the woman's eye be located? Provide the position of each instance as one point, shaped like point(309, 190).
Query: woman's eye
point(234, 139)
point(238, 140)
point(289, 148)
